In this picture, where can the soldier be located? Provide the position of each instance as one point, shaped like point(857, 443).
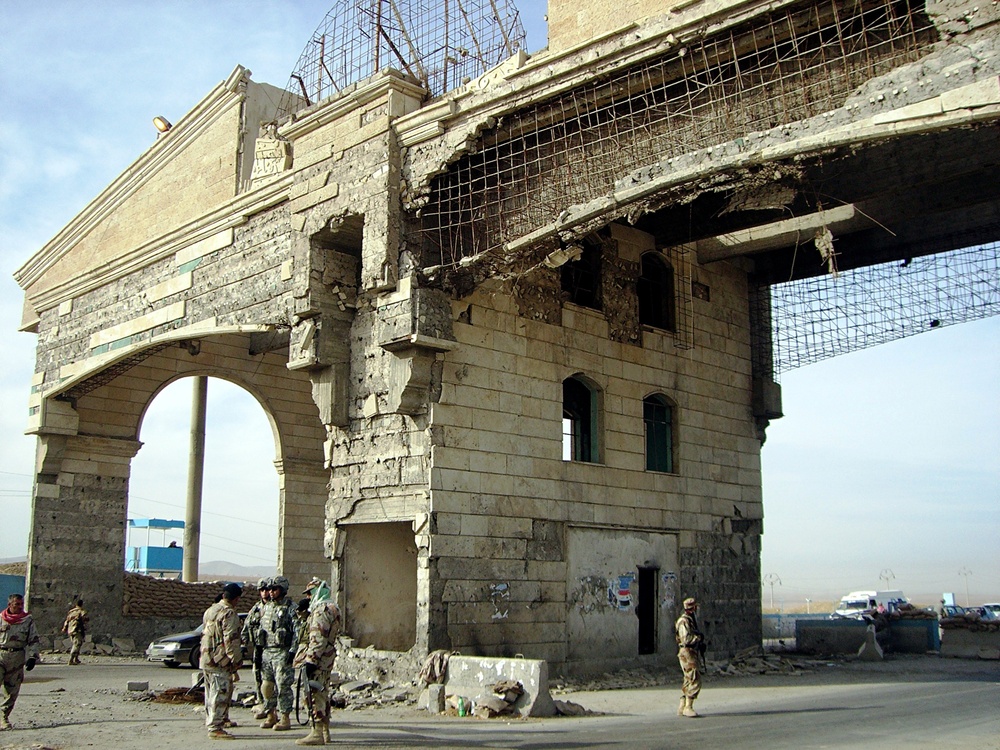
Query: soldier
point(221, 657)
point(18, 652)
point(316, 659)
point(277, 627)
point(75, 626)
point(252, 637)
point(691, 649)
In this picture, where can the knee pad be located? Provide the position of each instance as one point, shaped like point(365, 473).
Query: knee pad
point(267, 689)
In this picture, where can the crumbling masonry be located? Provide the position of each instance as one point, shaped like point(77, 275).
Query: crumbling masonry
point(504, 335)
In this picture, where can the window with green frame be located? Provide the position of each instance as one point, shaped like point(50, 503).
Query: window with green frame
point(658, 418)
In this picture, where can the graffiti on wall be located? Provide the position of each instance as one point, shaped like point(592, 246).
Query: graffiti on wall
point(668, 590)
point(500, 596)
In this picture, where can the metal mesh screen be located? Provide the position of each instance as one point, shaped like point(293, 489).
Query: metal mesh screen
point(787, 66)
point(818, 318)
point(441, 43)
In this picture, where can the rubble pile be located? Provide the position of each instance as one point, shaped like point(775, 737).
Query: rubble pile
point(361, 694)
point(753, 661)
point(501, 702)
point(145, 596)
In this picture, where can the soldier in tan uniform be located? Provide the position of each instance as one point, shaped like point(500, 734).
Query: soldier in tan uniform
point(690, 648)
point(18, 652)
point(75, 626)
point(221, 657)
point(316, 656)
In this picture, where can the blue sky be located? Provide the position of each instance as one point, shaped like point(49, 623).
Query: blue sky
point(886, 460)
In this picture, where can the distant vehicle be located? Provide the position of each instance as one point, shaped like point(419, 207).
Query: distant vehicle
point(952, 610)
point(857, 603)
point(180, 648)
point(983, 611)
point(994, 609)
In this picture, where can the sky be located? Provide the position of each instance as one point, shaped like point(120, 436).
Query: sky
point(884, 472)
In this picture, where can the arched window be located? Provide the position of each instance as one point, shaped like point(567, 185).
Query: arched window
point(658, 418)
point(656, 293)
point(580, 421)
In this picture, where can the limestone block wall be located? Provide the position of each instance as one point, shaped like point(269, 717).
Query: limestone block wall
point(503, 500)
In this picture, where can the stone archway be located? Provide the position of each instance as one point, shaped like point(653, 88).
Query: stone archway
point(88, 437)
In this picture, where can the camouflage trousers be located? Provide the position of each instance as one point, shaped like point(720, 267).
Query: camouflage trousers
point(276, 667)
point(11, 677)
point(74, 651)
point(690, 666)
point(218, 695)
point(319, 700)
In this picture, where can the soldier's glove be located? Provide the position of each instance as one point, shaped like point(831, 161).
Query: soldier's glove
point(30, 663)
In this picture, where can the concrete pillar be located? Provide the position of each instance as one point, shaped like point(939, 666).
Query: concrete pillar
point(196, 474)
point(303, 493)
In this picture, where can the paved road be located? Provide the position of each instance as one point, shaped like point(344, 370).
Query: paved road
point(913, 703)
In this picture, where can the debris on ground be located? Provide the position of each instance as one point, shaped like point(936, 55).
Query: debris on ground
point(181, 695)
point(568, 708)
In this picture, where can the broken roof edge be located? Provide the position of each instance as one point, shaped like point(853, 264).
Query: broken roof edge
point(188, 128)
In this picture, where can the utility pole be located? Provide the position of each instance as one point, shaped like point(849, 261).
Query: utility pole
point(772, 579)
point(886, 575)
point(966, 572)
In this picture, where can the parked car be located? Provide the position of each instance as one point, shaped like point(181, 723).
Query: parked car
point(180, 648)
point(994, 609)
point(952, 610)
point(984, 612)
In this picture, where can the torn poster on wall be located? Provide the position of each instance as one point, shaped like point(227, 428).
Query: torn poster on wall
point(620, 591)
point(500, 596)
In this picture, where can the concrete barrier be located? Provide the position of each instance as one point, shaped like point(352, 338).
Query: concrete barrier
point(970, 644)
point(846, 636)
point(474, 677)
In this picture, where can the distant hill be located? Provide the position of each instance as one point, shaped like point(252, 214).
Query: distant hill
point(207, 571)
point(221, 569)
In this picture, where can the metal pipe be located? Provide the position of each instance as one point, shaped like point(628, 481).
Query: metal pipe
point(196, 473)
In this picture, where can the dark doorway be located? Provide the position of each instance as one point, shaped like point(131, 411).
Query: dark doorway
point(645, 609)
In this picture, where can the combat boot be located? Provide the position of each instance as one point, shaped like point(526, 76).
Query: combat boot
point(270, 719)
point(259, 712)
point(5, 722)
point(315, 736)
point(220, 734)
point(689, 709)
point(680, 708)
point(284, 723)
point(324, 727)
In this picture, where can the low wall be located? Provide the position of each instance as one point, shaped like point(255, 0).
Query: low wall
point(846, 636)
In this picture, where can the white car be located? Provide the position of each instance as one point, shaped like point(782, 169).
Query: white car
point(994, 609)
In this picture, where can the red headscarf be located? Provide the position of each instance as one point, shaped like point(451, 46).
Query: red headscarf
point(13, 619)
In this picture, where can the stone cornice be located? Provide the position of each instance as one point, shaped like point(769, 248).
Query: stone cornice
point(376, 87)
point(191, 127)
point(230, 214)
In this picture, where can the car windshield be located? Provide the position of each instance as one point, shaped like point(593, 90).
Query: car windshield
point(853, 604)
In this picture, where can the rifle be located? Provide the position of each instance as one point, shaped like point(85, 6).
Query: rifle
point(308, 691)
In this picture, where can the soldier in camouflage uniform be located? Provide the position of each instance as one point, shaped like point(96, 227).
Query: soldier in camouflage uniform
point(75, 626)
point(221, 657)
point(691, 648)
point(316, 659)
point(252, 637)
point(277, 627)
point(18, 652)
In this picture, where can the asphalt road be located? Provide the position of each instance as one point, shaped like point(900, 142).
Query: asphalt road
point(914, 702)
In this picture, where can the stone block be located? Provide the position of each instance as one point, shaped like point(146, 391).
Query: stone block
point(137, 685)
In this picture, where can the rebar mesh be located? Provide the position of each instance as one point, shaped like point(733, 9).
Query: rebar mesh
point(441, 43)
point(818, 318)
point(784, 67)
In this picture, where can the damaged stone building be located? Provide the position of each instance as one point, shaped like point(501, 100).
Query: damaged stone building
point(511, 333)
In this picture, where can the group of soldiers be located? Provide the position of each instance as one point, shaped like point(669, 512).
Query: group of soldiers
point(282, 638)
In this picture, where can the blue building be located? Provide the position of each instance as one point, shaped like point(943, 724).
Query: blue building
point(165, 560)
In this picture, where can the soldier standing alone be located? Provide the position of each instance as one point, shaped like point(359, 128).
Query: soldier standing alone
point(18, 652)
point(221, 657)
point(316, 658)
point(75, 626)
point(691, 646)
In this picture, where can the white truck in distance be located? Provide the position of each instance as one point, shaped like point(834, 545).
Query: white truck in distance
point(858, 602)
